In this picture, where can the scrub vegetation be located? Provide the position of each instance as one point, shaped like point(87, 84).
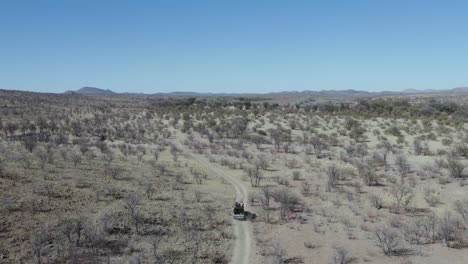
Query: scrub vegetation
point(331, 179)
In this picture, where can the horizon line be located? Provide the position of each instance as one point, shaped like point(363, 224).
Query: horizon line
point(241, 93)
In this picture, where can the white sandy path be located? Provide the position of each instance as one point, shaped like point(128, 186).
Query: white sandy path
point(242, 229)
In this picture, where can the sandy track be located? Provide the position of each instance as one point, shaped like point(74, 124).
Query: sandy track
point(242, 229)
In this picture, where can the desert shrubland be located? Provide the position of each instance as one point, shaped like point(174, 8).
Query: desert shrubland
point(92, 179)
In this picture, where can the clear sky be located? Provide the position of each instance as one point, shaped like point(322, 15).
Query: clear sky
point(233, 46)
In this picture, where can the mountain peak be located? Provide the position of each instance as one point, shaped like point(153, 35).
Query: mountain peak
point(91, 90)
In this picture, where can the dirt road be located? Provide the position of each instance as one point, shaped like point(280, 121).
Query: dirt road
point(242, 229)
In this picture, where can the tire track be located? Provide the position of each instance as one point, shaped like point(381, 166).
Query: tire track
point(242, 229)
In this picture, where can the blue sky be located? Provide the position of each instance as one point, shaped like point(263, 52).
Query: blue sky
point(233, 46)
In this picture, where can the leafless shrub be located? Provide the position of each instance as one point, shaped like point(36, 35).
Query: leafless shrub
point(440, 163)
point(39, 242)
point(403, 195)
point(265, 196)
point(371, 178)
point(73, 228)
point(333, 174)
point(27, 161)
point(149, 190)
point(362, 150)
point(414, 233)
point(81, 182)
point(377, 159)
point(155, 242)
point(155, 155)
point(412, 181)
point(113, 171)
point(279, 254)
point(432, 197)
point(318, 144)
point(402, 164)
point(451, 230)
point(108, 156)
point(461, 207)
point(114, 222)
point(308, 149)
point(389, 240)
point(137, 218)
point(131, 203)
point(140, 156)
point(342, 256)
point(367, 173)
point(455, 168)
point(198, 177)
point(113, 192)
point(198, 196)
point(430, 223)
point(30, 142)
point(429, 170)
point(287, 199)
point(386, 147)
point(41, 154)
point(418, 147)
point(376, 201)
point(2, 168)
point(76, 156)
point(306, 188)
point(255, 174)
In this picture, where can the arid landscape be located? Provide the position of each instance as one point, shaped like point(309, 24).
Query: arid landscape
point(240, 132)
point(326, 177)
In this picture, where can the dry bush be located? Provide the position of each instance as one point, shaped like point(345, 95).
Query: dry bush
point(39, 241)
point(342, 256)
point(334, 175)
point(131, 203)
point(288, 201)
point(41, 154)
point(318, 145)
point(292, 163)
point(403, 196)
point(306, 188)
point(386, 147)
point(255, 174)
point(451, 231)
point(362, 150)
point(76, 156)
point(455, 168)
point(113, 171)
point(432, 197)
point(265, 196)
point(376, 201)
point(389, 241)
point(402, 164)
point(378, 159)
point(415, 232)
point(279, 254)
point(368, 174)
point(461, 207)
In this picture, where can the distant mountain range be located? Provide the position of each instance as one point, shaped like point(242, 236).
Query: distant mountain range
point(454, 90)
point(349, 92)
